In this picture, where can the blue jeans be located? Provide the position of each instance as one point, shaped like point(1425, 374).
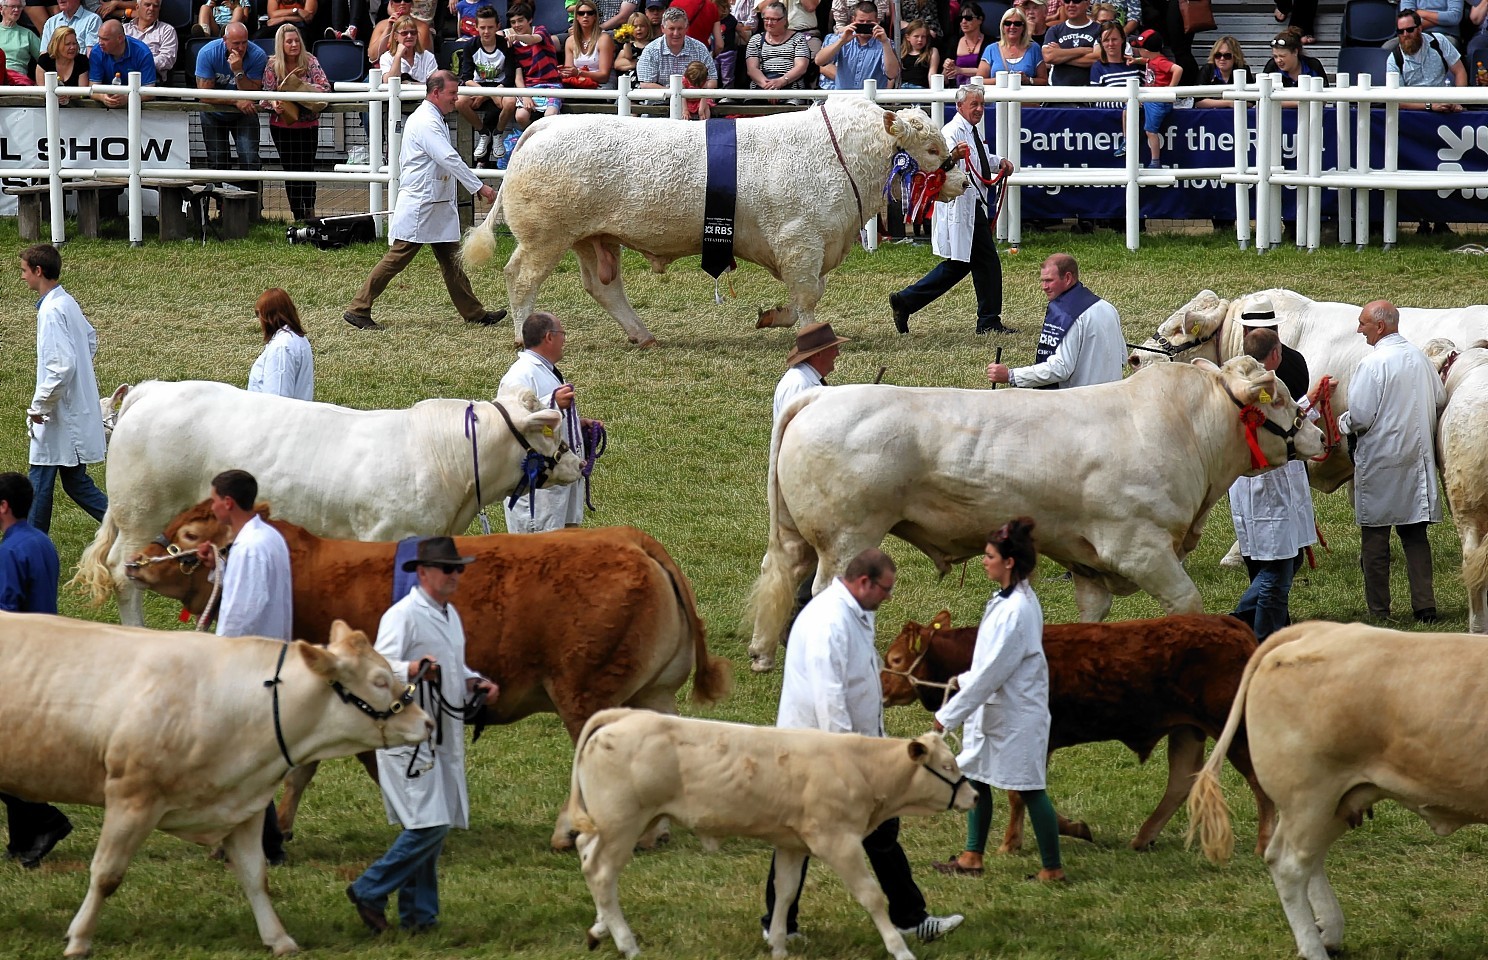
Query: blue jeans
point(1264, 603)
point(242, 128)
point(408, 867)
point(75, 483)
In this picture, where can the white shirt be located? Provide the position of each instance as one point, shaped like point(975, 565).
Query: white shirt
point(1094, 351)
point(66, 389)
point(425, 211)
point(557, 506)
point(424, 65)
point(435, 795)
point(1394, 399)
point(257, 594)
point(797, 380)
point(285, 368)
point(831, 668)
point(954, 222)
point(1272, 512)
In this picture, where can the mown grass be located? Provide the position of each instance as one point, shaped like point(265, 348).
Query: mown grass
point(689, 430)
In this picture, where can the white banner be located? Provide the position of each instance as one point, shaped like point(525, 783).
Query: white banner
point(94, 138)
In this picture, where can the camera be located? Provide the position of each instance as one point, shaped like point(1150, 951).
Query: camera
point(332, 233)
point(863, 28)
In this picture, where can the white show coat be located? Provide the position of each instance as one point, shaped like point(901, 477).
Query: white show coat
point(954, 222)
point(797, 380)
point(1094, 351)
point(1004, 698)
point(257, 594)
point(1394, 400)
point(435, 796)
point(285, 368)
point(427, 188)
point(66, 389)
point(1273, 513)
point(831, 668)
point(557, 506)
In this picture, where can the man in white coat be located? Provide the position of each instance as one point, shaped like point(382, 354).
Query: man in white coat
point(428, 185)
point(963, 234)
point(1395, 398)
point(536, 367)
point(423, 786)
point(1081, 341)
point(63, 418)
point(831, 683)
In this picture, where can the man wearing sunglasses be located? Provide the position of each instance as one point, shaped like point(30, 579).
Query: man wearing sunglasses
point(423, 786)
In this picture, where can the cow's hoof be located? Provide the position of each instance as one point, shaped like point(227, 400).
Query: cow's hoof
point(762, 664)
point(77, 947)
point(1080, 831)
point(562, 843)
point(592, 941)
point(285, 947)
point(650, 343)
point(287, 834)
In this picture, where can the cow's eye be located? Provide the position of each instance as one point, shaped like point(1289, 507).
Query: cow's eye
point(381, 683)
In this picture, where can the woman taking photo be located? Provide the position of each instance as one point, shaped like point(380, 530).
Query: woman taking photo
point(285, 368)
point(406, 57)
point(588, 52)
point(294, 127)
point(63, 58)
point(778, 57)
point(1014, 51)
point(1003, 703)
point(968, 60)
point(1225, 57)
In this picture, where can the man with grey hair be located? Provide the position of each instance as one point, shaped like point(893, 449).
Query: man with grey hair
point(536, 367)
point(672, 53)
point(962, 229)
point(1394, 400)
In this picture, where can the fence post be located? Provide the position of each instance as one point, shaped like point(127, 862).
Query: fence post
point(1241, 150)
point(870, 229)
point(674, 96)
point(136, 151)
point(1361, 165)
point(1265, 230)
point(1342, 124)
point(1314, 165)
point(1391, 218)
point(1133, 135)
point(622, 102)
point(56, 198)
point(374, 149)
point(395, 136)
point(1012, 209)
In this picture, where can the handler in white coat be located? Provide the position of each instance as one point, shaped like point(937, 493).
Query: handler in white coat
point(963, 234)
point(1395, 398)
point(536, 367)
point(1003, 704)
point(423, 787)
point(286, 367)
point(65, 423)
point(428, 182)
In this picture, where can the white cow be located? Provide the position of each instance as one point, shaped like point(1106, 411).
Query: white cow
point(807, 792)
point(807, 183)
point(1462, 444)
point(1120, 477)
point(186, 738)
point(1340, 716)
point(353, 474)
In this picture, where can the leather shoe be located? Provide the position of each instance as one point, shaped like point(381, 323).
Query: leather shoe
point(361, 322)
point(901, 313)
point(374, 918)
point(491, 318)
point(31, 859)
point(995, 326)
point(1427, 615)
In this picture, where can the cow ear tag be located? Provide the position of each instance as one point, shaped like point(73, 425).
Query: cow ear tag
point(914, 645)
point(548, 432)
point(1264, 397)
point(934, 624)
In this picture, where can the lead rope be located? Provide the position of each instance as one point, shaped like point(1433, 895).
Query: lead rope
point(206, 617)
point(480, 505)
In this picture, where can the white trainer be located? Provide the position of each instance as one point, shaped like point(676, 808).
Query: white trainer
point(498, 146)
point(482, 146)
point(933, 928)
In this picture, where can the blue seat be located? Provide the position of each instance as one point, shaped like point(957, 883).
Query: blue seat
point(447, 46)
point(1367, 23)
point(1370, 61)
point(266, 44)
point(344, 61)
point(177, 13)
point(187, 60)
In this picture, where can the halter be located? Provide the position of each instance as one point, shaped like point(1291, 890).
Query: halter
point(535, 466)
point(955, 785)
point(1253, 416)
point(1170, 349)
point(857, 197)
point(914, 681)
point(1446, 366)
point(346, 696)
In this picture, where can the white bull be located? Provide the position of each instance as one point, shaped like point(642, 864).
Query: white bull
point(352, 474)
point(807, 183)
point(186, 738)
point(1119, 476)
point(1325, 333)
point(1462, 443)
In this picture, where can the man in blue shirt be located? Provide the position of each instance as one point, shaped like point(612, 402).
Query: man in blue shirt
point(28, 584)
point(84, 23)
point(231, 63)
point(862, 51)
point(114, 58)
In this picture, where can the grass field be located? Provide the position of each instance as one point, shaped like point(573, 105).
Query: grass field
point(689, 426)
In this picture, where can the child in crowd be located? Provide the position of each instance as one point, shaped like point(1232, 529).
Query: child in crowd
point(537, 67)
point(695, 77)
point(482, 60)
point(1159, 72)
point(466, 13)
point(726, 43)
point(215, 15)
point(917, 57)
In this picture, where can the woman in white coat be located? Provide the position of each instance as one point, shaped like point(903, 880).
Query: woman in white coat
point(286, 367)
point(1003, 704)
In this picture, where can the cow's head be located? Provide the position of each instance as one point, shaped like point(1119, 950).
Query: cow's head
point(541, 430)
point(379, 709)
point(915, 135)
point(1193, 326)
point(109, 406)
point(1281, 432)
point(938, 784)
point(168, 565)
point(905, 658)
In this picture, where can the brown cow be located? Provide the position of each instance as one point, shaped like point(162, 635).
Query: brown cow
point(569, 622)
point(1135, 682)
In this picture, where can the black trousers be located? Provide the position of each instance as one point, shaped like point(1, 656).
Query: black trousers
point(296, 146)
point(890, 866)
point(986, 275)
point(27, 822)
point(1374, 558)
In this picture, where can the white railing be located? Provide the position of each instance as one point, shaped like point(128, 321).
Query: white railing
point(1006, 97)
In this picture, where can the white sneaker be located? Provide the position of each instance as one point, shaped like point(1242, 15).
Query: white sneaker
point(350, 33)
point(498, 146)
point(482, 146)
point(933, 928)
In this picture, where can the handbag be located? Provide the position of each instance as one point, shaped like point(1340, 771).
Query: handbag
point(1198, 15)
point(291, 110)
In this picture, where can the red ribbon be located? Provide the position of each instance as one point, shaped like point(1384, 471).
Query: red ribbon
point(1331, 437)
point(924, 188)
point(185, 616)
point(1252, 417)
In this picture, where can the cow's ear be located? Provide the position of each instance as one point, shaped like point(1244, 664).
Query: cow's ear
point(914, 644)
point(918, 751)
point(943, 620)
point(1203, 364)
point(344, 634)
point(546, 420)
point(322, 662)
point(892, 125)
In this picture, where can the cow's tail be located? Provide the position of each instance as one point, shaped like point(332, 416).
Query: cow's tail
point(578, 813)
point(1208, 814)
point(480, 240)
point(93, 576)
point(1475, 568)
point(773, 596)
point(712, 676)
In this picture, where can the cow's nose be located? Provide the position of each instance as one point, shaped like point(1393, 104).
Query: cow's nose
point(1134, 361)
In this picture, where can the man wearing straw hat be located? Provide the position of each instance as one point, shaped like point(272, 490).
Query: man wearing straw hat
point(810, 360)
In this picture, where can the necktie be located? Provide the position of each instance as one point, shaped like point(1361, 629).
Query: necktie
point(559, 374)
point(981, 153)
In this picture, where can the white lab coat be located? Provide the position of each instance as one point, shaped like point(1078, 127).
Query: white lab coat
point(1272, 512)
point(257, 594)
point(1004, 698)
point(1394, 398)
point(285, 368)
point(797, 380)
point(557, 506)
point(1094, 351)
point(427, 181)
point(831, 668)
point(954, 222)
point(435, 796)
point(66, 389)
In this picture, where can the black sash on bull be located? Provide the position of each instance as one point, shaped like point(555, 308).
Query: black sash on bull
point(718, 207)
point(1061, 315)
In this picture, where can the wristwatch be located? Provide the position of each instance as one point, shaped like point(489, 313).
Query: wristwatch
point(236, 77)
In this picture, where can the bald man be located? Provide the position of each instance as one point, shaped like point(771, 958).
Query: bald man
point(113, 59)
point(231, 63)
